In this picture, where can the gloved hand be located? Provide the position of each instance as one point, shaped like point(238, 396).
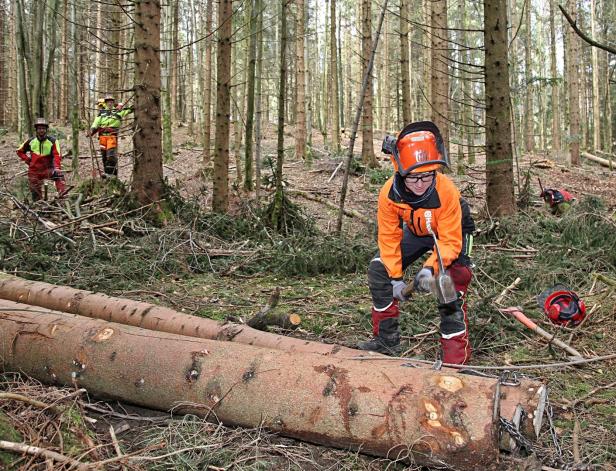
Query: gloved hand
point(57, 174)
point(399, 287)
point(421, 283)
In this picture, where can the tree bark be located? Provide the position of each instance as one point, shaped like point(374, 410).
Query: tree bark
point(368, 156)
point(220, 199)
point(556, 134)
point(259, 105)
point(147, 184)
point(300, 113)
point(4, 75)
point(529, 116)
point(440, 69)
point(333, 79)
point(405, 78)
point(277, 212)
point(434, 416)
point(255, 11)
point(596, 110)
point(499, 154)
point(173, 71)
point(207, 86)
point(571, 52)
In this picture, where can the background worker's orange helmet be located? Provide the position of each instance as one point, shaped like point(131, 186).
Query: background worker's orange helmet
point(419, 148)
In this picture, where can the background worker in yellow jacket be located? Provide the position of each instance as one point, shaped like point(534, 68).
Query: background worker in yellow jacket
point(107, 125)
point(417, 191)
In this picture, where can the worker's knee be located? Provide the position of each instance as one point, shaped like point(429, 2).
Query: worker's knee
point(461, 276)
point(379, 283)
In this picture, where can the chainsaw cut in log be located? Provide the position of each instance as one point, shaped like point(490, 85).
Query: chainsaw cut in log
point(432, 417)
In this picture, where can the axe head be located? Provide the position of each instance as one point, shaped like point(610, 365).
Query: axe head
point(444, 289)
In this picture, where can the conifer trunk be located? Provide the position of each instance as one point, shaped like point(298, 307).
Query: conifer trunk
point(255, 9)
point(556, 133)
point(405, 78)
point(440, 69)
point(499, 154)
point(368, 155)
point(333, 79)
point(528, 95)
point(571, 52)
point(207, 86)
point(147, 184)
point(220, 199)
point(300, 112)
point(596, 110)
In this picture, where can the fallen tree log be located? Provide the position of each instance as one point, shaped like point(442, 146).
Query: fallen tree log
point(432, 417)
point(153, 317)
point(163, 319)
point(599, 160)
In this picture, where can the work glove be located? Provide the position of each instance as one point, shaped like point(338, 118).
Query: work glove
point(57, 174)
point(421, 283)
point(399, 287)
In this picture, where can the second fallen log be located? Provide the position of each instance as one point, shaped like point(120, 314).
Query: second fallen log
point(396, 411)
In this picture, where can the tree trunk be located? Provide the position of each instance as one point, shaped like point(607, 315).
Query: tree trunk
point(277, 212)
point(65, 78)
point(73, 91)
point(259, 105)
point(405, 78)
point(499, 156)
point(333, 79)
point(556, 134)
point(255, 9)
point(440, 69)
point(529, 116)
point(25, 116)
point(153, 317)
point(596, 110)
point(147, 184)
point(166, 87)
point(573, 85)
point(434, 416)
point(190, 112)
point(300, 113)
point(175, 44)
point(220, 199)
point(368, 155)
point(113, 59)
point(207, 87)
point(4, 75)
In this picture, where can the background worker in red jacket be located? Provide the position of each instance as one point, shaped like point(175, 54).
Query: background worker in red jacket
point(417, 191)
point(44, 159)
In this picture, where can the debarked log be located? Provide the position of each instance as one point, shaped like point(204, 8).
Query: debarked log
point(433, 417)
point(151, 316)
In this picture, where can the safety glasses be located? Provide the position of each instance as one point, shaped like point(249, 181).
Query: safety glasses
point(419, 177)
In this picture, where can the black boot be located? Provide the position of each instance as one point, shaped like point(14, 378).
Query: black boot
point(385, 327)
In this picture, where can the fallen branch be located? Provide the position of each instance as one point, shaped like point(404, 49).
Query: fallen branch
point(577, 401)
point(28, 400)
point(501, 297)
point(43, 453)
point(265, 317)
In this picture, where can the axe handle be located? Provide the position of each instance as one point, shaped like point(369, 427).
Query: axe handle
point(519, 315)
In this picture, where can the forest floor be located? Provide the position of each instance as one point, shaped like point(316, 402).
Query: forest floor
point(322, 278)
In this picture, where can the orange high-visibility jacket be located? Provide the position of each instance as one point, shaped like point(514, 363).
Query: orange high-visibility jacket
point(446, 221)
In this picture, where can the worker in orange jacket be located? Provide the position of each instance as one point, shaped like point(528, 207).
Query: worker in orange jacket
point(417, 191)
point(44, 159)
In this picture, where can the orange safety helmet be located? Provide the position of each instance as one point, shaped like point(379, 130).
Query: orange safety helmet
point(419, 148)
